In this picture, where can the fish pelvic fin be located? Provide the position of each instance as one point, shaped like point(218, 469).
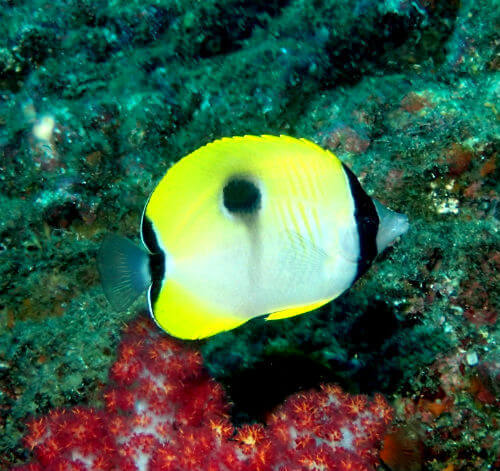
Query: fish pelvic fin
point(295, 311)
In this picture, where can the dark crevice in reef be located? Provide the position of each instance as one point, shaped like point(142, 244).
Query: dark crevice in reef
point(393, 43)
point(257, 391)
point(376, 352)
point(224, 33)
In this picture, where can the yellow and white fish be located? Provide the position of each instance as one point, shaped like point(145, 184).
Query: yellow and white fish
point(247, 226)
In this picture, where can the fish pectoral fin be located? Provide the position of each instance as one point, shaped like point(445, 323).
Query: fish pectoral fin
point(304, 248)
point(295, 311)
point(181, 314)
point(299, 255)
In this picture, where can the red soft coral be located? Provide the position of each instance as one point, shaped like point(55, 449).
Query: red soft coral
point(163, 413)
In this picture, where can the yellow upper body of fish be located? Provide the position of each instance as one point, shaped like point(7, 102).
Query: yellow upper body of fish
point(247, 226)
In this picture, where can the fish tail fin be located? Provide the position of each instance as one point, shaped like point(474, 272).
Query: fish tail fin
point(124, 270)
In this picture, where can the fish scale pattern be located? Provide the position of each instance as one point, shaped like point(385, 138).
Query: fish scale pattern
point(164, 413)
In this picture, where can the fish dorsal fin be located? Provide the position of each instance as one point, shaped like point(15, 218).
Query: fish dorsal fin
point(187, 198)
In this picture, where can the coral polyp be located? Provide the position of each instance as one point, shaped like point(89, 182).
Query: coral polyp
point(164, 413)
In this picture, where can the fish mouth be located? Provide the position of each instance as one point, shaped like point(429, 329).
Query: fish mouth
point(391, 225)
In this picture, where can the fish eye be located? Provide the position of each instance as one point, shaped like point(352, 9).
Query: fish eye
point(241, 196)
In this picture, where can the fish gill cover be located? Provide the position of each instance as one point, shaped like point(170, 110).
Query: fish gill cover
point(98, 99)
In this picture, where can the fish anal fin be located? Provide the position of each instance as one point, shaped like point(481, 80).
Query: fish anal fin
point(181, 314)
point(295, 311)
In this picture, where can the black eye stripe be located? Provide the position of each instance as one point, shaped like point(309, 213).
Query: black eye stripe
point(241, 196)
point(367, 222)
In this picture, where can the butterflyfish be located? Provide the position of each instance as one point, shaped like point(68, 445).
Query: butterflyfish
point(244, 227)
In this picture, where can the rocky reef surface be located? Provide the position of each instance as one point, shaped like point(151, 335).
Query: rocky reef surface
point(98, 99)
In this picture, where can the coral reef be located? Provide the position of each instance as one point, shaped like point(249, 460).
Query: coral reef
point(98, 99)
point(163, 413)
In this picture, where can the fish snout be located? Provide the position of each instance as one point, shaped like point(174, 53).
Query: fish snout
point(391, 225)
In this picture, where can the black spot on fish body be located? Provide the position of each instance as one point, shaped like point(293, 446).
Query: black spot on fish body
point(241, 196)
